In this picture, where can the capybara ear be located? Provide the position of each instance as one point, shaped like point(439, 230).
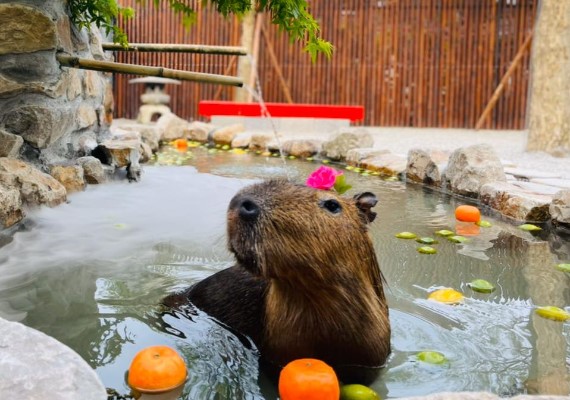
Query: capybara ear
point(365, 201)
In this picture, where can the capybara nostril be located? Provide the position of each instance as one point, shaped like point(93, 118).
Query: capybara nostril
point(248, 209)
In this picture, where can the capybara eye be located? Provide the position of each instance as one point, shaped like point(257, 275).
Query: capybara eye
point(332, 206)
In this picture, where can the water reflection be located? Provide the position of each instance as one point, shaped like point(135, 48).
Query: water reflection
point(93, 272)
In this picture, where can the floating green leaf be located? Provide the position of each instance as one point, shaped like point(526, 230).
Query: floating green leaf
point(427, 240)
point(406, 235)
point(457, 239)
point(427, 250)
point(563, 267)
point(391, 179)
point(375, 173)
point(349, 168)
point(481, 286)
point(553, 313)
point(309, 159)
point(354, 391)
point(444, 232)
point(432, 357)
point(292, 157)
point(325, 161)
point(483, 224)
point(529, 227)
point(365, 174)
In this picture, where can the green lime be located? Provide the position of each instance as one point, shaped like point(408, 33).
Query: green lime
point(427, 240)
point(457, 239)
point(563, 267)
point(529, 227)
point(432, 357)
point(483, 224)
point(481, 286)
point(358, 392)
point(226, 147)
point(444, 232)
point(406, 235)
point(427, 250)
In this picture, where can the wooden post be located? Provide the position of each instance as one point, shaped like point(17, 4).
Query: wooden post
point(255, 55)
point(500, 87)
point(226, 72)
point(276, 66)
point(244, 63)
point(177, 48)
point(121, 68)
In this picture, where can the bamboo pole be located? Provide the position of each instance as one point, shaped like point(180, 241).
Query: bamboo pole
point(121, 68)
point(495, 97)
point(177, 48)
point(226, 72)
point(276, 65)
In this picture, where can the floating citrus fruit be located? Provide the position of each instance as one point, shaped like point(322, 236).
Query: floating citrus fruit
point(563, 267)
point(481, 286)
point(431, 357)
point(427, 250)
point(467, 213)
point(358, 392)
point(447, 296)
point(554, 313)
point(406, 235)
point(156, 369)
point(308, 379)
point(181, 144)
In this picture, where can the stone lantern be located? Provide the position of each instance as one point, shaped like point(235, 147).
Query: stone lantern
point(154, 100)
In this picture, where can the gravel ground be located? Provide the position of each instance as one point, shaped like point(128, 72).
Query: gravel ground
point(509, 145)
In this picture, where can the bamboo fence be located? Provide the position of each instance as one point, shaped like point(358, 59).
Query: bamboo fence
point(417, 63)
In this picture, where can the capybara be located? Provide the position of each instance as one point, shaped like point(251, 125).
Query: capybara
point(306, 282)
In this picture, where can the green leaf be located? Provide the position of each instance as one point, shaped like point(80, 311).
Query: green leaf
point(340, 185)
point(554, 313)
point(481, 286)
point(563, 267)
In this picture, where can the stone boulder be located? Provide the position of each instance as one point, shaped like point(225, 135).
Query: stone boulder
point(36, 187)
point(242, 140)
point(516, 202)
point(356, 156)
point(36, 366)
point(198, 131)
point(560, 207)
point(226, 134)
point(387, 164)
point(70, 176)
point(25, 29)
point(121, 153)
point(261, 141)
point(338, 146)
point(469, 168)
point(10, 206)
point(93, 172)
point(10, 144)
point(172, 127)
point(425, 166)
point(302, 148)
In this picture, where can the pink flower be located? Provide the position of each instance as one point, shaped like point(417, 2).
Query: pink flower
point(323, 178)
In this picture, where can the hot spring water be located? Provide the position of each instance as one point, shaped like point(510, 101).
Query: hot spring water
point(91, 273)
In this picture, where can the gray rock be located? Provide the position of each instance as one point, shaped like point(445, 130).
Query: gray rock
point(10, 206)
point(515, 202)
point(35, 366)
point(471, 167)
point(93, 172)
point(424, 166)
point(86, 116)
point(10, 144)
point(24, 68)
point(387, 164)
point(198, 131)
point(149, 133)
point(124, 153)
point(25, 29)
point(36, 187)
point(242, 140)
point(172, 127)
point(261, 141)
point(560, 207)
point(70, 176)
point(355, 156)
point(226, 134)
point(342, 142)
point(40, 125)
point(302, 148)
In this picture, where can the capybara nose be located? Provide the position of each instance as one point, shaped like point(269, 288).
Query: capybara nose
point(247, 208)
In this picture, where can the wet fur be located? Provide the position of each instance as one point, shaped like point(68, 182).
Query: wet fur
point(306, 282)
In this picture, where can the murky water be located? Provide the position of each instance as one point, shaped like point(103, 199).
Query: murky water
point(91, 273)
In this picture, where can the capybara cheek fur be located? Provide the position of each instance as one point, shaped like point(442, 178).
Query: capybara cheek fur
point(306, 282)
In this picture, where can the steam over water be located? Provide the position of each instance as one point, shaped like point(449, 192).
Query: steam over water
point(92, 273)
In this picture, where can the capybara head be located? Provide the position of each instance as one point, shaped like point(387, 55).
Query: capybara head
point(294, 233)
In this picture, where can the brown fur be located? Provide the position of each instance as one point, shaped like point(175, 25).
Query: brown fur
point(311, 284)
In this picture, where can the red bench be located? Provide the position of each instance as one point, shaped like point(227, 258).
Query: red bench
point(209, 108)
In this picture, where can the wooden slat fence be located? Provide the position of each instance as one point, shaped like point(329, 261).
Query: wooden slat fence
point(417, 63)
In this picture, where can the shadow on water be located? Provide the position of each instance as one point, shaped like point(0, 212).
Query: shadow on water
point(92, 274)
